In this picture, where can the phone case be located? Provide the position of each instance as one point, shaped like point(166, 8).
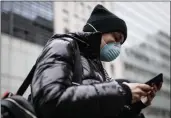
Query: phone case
point(156, 80)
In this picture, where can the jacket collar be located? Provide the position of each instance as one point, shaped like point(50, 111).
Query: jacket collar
point(89, 43)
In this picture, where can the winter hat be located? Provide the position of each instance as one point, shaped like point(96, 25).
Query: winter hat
point(104, 21)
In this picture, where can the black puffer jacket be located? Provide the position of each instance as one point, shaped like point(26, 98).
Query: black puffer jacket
point(55, 96)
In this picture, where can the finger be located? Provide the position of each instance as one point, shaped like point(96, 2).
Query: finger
point(137, 97)
point(145, 87)
point(149, 100)
point(152, 94)
point(143, 96)
point(155, 88)
point(142, 93)
point(152, 88)
point(149, 92)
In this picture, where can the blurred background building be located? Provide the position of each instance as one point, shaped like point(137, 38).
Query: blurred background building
point(26, 27)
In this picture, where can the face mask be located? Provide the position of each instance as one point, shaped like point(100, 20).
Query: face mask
point(110, 52)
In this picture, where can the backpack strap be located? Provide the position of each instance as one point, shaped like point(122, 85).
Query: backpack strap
point(76, 77)
point(26, 82)
point(78, 69)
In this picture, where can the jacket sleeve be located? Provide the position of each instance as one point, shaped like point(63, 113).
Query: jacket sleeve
point(53, 92)
point(132, 110)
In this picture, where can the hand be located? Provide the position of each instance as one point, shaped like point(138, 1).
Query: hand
point(148, 99)
point(138, 90)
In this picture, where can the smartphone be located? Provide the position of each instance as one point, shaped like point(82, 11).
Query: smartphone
point(156, 80)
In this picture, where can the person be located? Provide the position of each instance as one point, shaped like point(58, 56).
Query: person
point(54, 92)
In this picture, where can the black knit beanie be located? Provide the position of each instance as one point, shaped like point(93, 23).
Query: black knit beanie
point(104, 21)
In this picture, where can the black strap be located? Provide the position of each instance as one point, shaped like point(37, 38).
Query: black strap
point(76, 77)
point(78, 67)
point(26, 82)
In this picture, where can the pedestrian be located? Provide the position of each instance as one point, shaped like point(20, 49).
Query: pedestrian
point(56, 94)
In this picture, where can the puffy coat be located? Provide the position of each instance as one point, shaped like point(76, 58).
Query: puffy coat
point(54, 94)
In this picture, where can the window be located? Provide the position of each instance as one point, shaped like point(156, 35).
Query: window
point(131, 52)
point(65, 4)
point(32, 21)
point(82, 4)
point(65, 11)
point(76, 7)
point(154, 61)
point(6, 6)
point(17, 7)
point(164, 93)
point(166, 36)
point(65, 19)
point(66, 30)
point(165, 56)
point(138, 70)
point(76, 16)
point(5, 23)
point(89, 8)
point(84, 20)
point(157, 111)
point(162, 44)
point(82, 7)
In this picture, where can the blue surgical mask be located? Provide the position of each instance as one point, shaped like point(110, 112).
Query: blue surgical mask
point(110, 52)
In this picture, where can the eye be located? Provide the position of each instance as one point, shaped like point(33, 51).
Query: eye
point(118, 37)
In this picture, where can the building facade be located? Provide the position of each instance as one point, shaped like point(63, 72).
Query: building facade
point(26, 27)
point(146, 53)
point(72, 16)
point(143, 62)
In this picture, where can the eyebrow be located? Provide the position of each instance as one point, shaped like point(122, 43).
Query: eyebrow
point(115, 35)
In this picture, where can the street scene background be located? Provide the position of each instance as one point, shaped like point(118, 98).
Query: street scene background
point(27, 26)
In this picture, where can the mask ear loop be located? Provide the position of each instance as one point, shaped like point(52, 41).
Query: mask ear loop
point(96, 31)
point(92, 27)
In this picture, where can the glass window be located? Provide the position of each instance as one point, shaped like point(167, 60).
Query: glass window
point(138, 70)
point(165, 56)
point(84, 20)
point(32, 21)
point(65, 19)
point(66, 30)
point(76, 16)
point(25, 12)
point(82, 4)
point(65, 11)
point(82, 7)
point(17, 7)
point(89, 7)
point(163, 93)
point(161, 43)
point(157, 111)
point(6, 6)
point(65, 4)
point(137, 55)
point(164, 35)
